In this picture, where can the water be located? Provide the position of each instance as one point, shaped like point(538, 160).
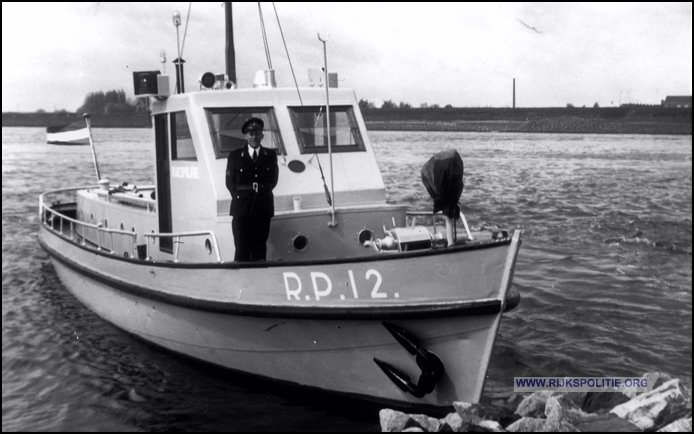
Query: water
point(605, 273)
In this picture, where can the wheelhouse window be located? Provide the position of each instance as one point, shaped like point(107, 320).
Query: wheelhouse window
point(225, 126)
point(311, 125)
point(181, 141)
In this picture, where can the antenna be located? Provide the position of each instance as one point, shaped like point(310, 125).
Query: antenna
point(180, 88)
point(328, 132)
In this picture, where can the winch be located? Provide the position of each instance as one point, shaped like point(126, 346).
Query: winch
point(405, 239)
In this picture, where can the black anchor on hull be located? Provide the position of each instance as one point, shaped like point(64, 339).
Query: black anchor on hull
point(430, 364)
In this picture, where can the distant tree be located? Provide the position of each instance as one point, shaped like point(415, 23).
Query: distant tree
point(596, 105)
point(119, 108)
point(40, 111)
point(404, 105)
point(365, 104)
point(569, 105)
point(448, 106)
point(389, 105)
point(113, 101)
point(423, 105)
point(434, 106)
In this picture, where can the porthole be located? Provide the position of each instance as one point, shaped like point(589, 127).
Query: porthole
point(296, 166)
point(121, 226)
point(208, 246)
point(365, 235)
point(105, 223)
point(300, 243)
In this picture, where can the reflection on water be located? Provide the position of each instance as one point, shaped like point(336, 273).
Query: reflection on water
point(604, 271)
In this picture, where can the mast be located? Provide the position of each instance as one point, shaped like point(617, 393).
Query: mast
point(230, 53)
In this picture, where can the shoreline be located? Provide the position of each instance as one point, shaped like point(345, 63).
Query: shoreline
point(561, 125)
point(638, 120)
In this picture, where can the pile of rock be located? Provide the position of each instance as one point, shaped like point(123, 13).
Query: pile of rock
point(665, 408)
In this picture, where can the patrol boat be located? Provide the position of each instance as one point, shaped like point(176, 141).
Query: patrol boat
point(355, 296)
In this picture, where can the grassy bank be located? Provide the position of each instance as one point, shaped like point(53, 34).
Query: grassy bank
point(115, 120)
point(612, 120)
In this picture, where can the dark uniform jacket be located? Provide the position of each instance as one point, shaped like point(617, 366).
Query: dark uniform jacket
point(241, 175)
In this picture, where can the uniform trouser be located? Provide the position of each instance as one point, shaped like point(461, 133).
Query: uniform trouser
point(250, 237)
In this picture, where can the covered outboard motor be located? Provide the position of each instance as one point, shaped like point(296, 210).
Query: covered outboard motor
point(442, 176)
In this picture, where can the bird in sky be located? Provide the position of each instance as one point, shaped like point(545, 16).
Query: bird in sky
point(531, 28)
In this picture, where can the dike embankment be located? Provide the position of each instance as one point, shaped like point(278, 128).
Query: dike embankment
point(612, 120)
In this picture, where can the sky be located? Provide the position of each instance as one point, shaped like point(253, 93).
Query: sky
point(462, 54)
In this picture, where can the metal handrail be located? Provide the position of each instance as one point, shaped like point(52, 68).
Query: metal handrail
point(77, 223)
point(177, 237)
point(43, 209)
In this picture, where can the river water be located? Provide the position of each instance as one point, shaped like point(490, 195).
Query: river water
point(605, 273)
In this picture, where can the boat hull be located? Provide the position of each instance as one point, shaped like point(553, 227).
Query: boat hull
point(312, 337)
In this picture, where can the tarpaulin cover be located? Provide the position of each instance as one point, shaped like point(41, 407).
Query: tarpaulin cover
point(442, 176)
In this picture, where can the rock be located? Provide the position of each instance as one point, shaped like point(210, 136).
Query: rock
point(527, 424)
point(606, 423)
point(674, 416)
point(396, 421)
point(469, 413)
point(595, 402)
point(682, 425)
point(562, 408)
point(429, 424)
point(474, 413)
point(452, 422)
point(655, 380)
point(574, 397)
point(558, 425)
point(490, 425)
point(647, 408)
point(392, 421)
point(534, 404)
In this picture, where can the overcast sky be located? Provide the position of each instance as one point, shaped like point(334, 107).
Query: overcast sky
point(461, 54)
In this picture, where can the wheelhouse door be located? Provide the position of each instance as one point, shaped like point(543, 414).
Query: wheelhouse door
point(161, 132)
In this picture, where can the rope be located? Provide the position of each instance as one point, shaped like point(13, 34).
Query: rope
point(296, 84)
point(186, 30)
point(267, 48)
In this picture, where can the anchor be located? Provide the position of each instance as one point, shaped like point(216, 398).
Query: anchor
point(430, 364)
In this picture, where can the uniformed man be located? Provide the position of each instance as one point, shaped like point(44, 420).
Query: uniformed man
point(251, 175)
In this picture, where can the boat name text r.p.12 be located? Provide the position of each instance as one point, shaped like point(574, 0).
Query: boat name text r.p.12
point(323, 285)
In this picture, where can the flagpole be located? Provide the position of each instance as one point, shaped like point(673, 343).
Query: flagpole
point(91, 144)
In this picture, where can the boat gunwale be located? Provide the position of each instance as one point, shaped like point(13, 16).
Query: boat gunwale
point(273, 264)
point(411, 311)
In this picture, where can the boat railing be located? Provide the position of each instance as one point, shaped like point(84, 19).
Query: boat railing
point(48, 214)
point(415, 214)
point(177, 241)
point(75, 230)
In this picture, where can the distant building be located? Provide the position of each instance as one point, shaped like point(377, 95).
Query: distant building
point(677, 101)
